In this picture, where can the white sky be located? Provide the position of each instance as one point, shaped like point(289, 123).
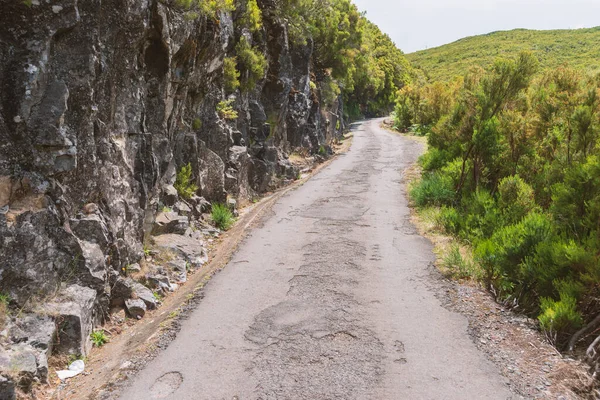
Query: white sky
point(419, 24)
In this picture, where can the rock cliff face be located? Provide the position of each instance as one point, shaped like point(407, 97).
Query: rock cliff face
point(101, 103)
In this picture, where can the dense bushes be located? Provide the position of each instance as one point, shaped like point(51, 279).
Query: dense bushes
point(435, 189)
point(513, 164)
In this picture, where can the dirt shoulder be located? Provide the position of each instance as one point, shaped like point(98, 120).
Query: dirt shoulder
point(534, 368)
point(134, 343)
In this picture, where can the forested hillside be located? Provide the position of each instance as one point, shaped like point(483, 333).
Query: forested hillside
point(578, 47)
point(513, 170)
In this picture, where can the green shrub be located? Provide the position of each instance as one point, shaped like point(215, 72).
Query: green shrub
point(559, 319)
point(419, 129)
point(184, 184)
point(449, 219)
point(252, 61)
point(222, 216)
point(486, 255)
point(481, 216)
point(508, 255)
point(210, 8)
point(231, 74)
point(434, 159)
point(515, 198)
point(576, 200)
point(99, 338)
point(457, 265)
point(330, 90)
point(253, 16)
point(226, 111)
point(434, 189)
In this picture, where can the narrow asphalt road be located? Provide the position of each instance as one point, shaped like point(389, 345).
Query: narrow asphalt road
point(333, 297)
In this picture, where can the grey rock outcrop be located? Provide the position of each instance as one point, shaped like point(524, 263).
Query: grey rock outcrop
point(101, 104)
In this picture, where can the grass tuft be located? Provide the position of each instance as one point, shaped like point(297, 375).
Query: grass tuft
point(222, 216)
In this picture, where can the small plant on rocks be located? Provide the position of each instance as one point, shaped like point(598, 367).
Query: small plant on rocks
point(183, 184)
point(99, 338)
point(222, 216)
point(4, 301)
point(226, 111)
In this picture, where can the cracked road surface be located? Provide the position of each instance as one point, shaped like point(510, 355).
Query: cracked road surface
point(333, 297)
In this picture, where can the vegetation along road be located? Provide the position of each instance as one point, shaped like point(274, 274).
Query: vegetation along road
point(332, 297)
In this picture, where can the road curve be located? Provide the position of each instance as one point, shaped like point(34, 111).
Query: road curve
point(333, 297)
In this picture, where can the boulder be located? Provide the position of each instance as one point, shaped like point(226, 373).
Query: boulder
point(162, 282)
point(30, 340)
point(142, 292)
point(136, 308)
point(91, 228)
point(7, 388)
point(169, 195)
point(170, 222)
point(36, 330)
point(94, 263)
point(133, 268)
point(182, 208)
point(232, 204)
point(73, 310)
point(21, 362)
point(200, 204)
point(121, 291)
point(177, 270)
point(187, 248)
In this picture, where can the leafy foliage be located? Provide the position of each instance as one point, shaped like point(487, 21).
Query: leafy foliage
point(558, 317)
point(210, 8)
point(514, 164)
point(231, 74)
point(99, 338)
point(184, 183)
point(553, 48)
point(253, 16)
point(222, 216)
point(433, 189)
point(225, 109)
point(252, 62)
point(197, 124)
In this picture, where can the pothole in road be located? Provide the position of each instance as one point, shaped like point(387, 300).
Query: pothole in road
point(166, 385)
